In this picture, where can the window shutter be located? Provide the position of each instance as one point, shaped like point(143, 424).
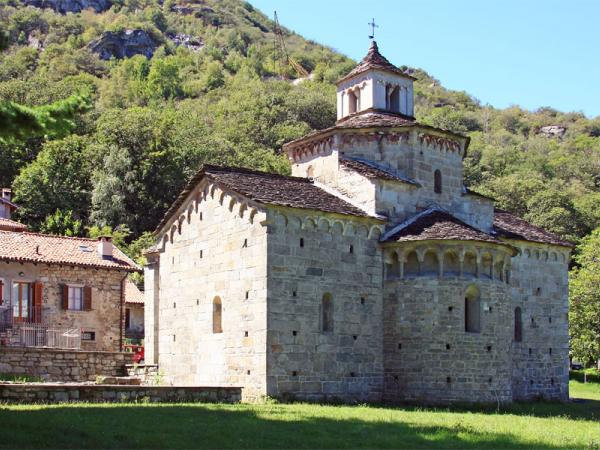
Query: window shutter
point(1, 292)
point(65, 296)
point(87, 298)
point(37, 301)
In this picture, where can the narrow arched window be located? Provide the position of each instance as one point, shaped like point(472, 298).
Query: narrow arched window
point(352, 102)
point(217, 315)
point(327, 313)
point(437, 181)
point(472, 310)
point(518, 325)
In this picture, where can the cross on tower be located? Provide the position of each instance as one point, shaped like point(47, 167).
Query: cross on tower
point(373, 25)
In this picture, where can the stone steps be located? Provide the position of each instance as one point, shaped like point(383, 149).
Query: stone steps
point(123, 381)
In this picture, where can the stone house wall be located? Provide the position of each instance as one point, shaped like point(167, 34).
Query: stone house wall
point(539, 282)
point(104, 319)
point(56, 365)
point(216, 250)
point(309, 256)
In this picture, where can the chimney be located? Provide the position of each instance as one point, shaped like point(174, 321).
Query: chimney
point(5, 209)
point(6, 194)
point(105, 247)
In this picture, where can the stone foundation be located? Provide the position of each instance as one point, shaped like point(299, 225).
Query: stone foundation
point(61, 365)
point(59, 393)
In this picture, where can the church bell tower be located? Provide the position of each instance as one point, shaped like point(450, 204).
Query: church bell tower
point(375, 85)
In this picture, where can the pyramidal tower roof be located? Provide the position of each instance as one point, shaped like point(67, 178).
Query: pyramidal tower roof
point(374, 61)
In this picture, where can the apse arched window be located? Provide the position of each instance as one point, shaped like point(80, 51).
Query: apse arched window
point(518, 325)
point(472, 310)
point(327, 313)
point(437, 181)
point(217, 315)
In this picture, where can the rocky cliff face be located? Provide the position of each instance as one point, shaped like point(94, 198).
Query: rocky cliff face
point(74, 6)
point(124, 44)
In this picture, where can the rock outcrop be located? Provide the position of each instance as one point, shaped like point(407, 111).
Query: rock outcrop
point(188, 41)
point(553, 131)
point(125, 44)
point(74, 6)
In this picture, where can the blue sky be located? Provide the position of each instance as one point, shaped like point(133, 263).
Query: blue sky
point(504, 52)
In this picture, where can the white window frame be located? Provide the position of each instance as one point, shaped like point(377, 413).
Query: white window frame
point(71, 300)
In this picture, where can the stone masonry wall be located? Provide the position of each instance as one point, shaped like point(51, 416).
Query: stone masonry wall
point(59, 393)
point(217, 249)
point(338, 257)
point(429, 357)
point(61, 365)
point(104, 319)
point(539, 281)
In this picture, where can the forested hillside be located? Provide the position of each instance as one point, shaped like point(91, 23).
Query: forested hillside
point(108, 106)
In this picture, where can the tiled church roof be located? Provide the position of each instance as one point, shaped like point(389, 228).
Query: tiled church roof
point(374, 60)
point(375, 118)
point(11, 225)
point(435, 224)
point(369, 170)
point(269, 189)
point(509, 226)
point(49, 249)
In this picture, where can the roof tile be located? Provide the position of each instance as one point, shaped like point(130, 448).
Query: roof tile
point(509, 226)
point(269, 189)
point(49, 249)
point(435, 224)
point(11, 225)
point(371, 170)
point(374, 60)
point(132, 293)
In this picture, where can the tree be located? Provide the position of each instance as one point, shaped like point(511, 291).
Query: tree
point(18, 122)
point(584, 297)
point(58, 179)
point(62, 223)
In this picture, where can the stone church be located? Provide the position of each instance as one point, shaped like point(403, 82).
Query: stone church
point(371, 274)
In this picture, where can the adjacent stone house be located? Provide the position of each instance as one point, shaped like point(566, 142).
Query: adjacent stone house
point(134, 311)
point(60, 292)
point(372, 274)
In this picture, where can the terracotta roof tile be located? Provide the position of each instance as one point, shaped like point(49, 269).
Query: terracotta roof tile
point(374, 61)
point(435, 224)
point(132, 293)
point(370, 169)
point(49, 249)
point(11, 225)
point(509, 226)
point(269, 189)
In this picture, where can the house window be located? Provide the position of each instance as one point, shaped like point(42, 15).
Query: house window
point(88, 335)
point(217, 315)
point(22, 296)
point(472, 310)
point(76, 298)
point(437, 181)
point(1, 292)
point(518, 325)
point(327, 312)
point(127, 318)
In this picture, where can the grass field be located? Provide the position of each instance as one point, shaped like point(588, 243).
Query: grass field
point(273, 425)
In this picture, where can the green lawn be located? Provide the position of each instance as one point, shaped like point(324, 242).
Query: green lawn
point(524, 425)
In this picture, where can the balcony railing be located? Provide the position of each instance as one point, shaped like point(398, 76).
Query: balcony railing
point(28, 330)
